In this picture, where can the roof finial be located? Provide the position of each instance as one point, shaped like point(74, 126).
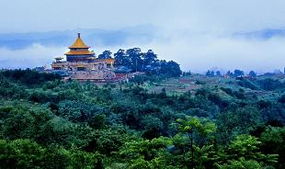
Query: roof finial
point(78, 35)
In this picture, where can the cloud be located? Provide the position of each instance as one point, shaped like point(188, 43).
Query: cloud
point(195, 52)
point(209, 15)
point(208, 51)
point(33, 56)
point(196, 33)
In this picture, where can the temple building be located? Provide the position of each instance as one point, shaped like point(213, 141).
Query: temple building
point(82, 64)
point(79, 52)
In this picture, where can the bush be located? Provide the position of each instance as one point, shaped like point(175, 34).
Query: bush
point(270, 84)
point(247, 84)
point(282, 99)
point(29, 77)
point(28, 154)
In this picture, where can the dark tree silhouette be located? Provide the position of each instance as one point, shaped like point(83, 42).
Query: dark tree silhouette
point(121, 58)
point(210, 73)
point(107, 54)
point(218, 73)
point(252, 74)
point(238, 73)
point(136, 62)
point(149, 58)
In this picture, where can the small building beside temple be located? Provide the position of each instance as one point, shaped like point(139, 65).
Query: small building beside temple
point(80, 63)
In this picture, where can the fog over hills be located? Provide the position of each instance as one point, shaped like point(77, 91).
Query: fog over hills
point(198, 34)
point(260, 50)
point(264, 34)
point(100, 37)
point(96, 37)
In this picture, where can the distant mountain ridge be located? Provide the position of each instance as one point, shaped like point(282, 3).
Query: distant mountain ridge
point(102, 37)
point(264, 34)
point(92, 37)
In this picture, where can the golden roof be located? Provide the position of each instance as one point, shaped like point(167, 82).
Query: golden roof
point(79, 52)
point(79, 44)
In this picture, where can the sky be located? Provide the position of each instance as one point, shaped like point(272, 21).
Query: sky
point(195, 33)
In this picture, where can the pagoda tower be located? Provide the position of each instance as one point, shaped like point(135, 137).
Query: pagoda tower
point(79, 52)
point(81, 64)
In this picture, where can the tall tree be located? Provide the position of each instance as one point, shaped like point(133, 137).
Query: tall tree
point(121, 58)
point(170, 69)
point(244, 152)
point(229, 74)
point(238, 73)
point(218, 73)
point(210, 73)
point(149, 57)
point(252, 74)
point(136, 61)
point(107, 54)
point(195, 127)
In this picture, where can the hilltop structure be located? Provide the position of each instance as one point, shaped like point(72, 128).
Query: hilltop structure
point(82, 64)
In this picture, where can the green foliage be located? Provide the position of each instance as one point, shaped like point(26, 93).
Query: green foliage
point(141, 79)
point(135, 60)
point(248, 84)
point(20, 154)
point(195, 125)
point(282, 99)
point(27, 154)
point(241, 164)
point(54, 124)
point(62, 132)
point(20, 120)
point(273, 141)
point(238, 73)
point(194, 142)
point(270, 84)
point(38, 123)
point(240, 121)
point(105, 55)
point(237, 94)
point(147, 153)
point(28, 77)
point(107, 141)
point(245, 151)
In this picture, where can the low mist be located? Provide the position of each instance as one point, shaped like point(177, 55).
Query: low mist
point(195, 52)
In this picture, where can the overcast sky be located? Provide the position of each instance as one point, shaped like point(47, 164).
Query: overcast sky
point(208, 15)
point(196, 33)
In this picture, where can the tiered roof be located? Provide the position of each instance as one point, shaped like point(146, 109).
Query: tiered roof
point(79, 52)
point(79, 48)
point(79, 44)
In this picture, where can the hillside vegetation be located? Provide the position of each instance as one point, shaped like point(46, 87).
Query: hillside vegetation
point(149, 123)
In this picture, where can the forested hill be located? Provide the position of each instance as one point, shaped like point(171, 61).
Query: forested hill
point(149, 123)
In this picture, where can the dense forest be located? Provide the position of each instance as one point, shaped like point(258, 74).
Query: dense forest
point(224, 123)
